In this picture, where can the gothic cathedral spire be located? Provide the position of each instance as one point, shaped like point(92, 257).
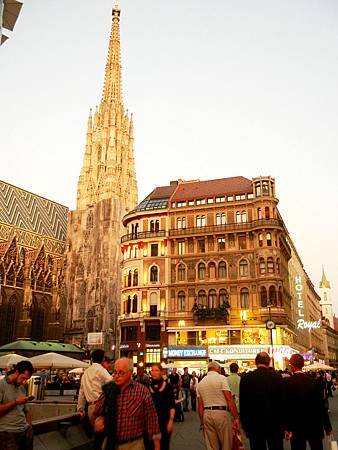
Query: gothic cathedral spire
point(326, 302)
point(112, 89)
point(108, 166)
point(107, 190)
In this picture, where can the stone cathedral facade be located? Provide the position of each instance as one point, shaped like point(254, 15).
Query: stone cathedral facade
point(107, 190)
point(33, 232)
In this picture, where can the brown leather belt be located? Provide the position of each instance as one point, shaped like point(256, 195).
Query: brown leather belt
point(222, 408)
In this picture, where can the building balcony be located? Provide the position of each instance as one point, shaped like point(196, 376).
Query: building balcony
point(143, 315)
point(142, 235)
point(228, 228)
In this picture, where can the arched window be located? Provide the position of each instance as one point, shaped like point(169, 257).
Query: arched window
point(272, 296)
point(9, 315)
point(39, 316)
point(153, 274)
point(181, 272)
point(268, 239)
point(223, 297)
point(243, 215)
point(270, 265)
point(238, 217)
point(129, 278)
point(128, 305)
point(222, 270)
point(264, 297)
point(157, 225)
point(89, 223)
point(200, 221)
point(244, 295)
point(243, 268)
point(134, 309)
point(280, 297)
point(181, 301)
point(181, 222)
point(202, 298)
point(135, 278)
point(267, 212)
point(260, 239)
point(262, 268)
point(212, 299)
point(201, 271)
point(220, 219)
point(259, 213)
point(258, 188)
point(212, 270)
point(278, 265)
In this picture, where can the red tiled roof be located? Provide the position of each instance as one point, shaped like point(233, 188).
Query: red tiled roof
point(161, 192)
point(212, 188)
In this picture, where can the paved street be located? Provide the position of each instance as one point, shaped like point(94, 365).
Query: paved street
point(187, 436)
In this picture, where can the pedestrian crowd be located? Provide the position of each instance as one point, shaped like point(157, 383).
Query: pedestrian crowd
point(130, 411)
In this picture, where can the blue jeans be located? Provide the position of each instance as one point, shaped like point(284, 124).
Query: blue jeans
point(186, 398)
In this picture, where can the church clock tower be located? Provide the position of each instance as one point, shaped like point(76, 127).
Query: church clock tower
point(107, 190)
point(326, 302)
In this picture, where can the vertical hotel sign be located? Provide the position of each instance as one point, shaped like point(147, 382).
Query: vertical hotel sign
point(302, 324)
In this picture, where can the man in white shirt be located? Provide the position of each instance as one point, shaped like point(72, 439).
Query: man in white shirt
point(215, 403)
point(91, 384)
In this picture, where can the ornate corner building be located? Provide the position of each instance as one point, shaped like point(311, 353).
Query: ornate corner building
point(32, 243)
point(107, 190)
point(205, 266)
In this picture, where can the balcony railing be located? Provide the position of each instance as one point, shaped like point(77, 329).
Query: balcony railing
point(235, 227)
point(231, 314)
point(143, 315)
point(143, 235)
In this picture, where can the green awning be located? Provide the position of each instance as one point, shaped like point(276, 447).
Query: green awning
point(35, 346)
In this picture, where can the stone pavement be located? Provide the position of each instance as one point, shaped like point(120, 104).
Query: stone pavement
point(187, 436)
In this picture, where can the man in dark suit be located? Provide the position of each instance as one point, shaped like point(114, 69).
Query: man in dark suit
point(307, 417)
point(261, 404)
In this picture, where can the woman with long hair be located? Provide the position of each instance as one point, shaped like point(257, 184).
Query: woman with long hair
point(164, 400)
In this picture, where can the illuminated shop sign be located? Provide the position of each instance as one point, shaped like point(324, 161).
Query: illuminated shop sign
point(235, 351)
point(302, 324)
point(152, 345)
point(224, 352)
point(187, 352)
point(123, 346)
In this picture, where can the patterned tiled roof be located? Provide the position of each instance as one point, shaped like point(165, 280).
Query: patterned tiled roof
point(210, 188)
point(30, 212)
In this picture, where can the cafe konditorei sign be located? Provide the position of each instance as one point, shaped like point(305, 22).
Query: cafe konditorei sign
point(302, 324)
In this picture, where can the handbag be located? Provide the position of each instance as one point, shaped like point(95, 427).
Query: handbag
point(237, 443)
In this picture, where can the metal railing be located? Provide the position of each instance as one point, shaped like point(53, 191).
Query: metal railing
point(235, 227)
point(142, 235)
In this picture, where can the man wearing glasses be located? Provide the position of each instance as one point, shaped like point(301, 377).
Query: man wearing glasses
point(15, 422)
point(125, 411)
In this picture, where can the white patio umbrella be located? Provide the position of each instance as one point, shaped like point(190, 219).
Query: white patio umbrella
point(318, 366)
point(56, 361)
point(11, 359)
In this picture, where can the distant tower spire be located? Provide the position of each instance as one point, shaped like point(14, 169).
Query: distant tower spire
point(326, 302)
point(112, 89)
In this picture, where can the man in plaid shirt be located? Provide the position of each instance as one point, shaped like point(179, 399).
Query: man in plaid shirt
point(126, 407)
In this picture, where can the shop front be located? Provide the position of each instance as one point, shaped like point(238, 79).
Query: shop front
point(195, 358)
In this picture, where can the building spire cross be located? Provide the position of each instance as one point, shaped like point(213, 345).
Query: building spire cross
point(112, 89)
